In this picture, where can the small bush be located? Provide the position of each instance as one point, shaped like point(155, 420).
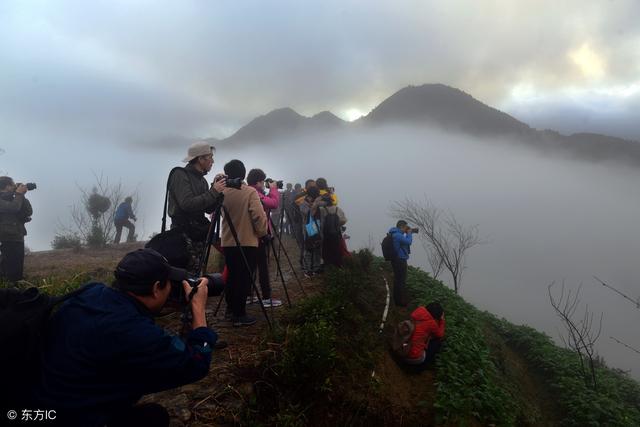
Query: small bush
point(67, 241)
point(97, 238)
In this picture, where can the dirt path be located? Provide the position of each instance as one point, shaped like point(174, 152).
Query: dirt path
point(409, 396)
point(220, 397)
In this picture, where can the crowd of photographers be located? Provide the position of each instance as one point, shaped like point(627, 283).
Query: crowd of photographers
point(102, 350)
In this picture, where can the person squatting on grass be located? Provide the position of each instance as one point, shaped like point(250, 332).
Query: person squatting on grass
point(103, 351)
point(426, 340)
point(244, 210)
point(15, 211)
point(270, 201)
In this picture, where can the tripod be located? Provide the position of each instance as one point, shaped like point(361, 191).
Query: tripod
point(286, 254)
point(212, 236)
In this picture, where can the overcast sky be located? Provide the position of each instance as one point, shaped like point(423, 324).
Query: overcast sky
point(131, 71)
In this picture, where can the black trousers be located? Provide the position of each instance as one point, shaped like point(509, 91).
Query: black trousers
point(11, 261)
point(432, 349)
point(400, 282)
point(240, 278)
point(263, 269)
point(127, 224)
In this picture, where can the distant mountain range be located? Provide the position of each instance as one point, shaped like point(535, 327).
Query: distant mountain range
point(444, 107)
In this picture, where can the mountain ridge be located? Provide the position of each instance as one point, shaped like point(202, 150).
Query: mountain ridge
point(444, 107)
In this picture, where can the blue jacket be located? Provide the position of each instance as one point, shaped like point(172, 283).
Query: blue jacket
point(103, 352)
point(124, 212)
point(401, 243)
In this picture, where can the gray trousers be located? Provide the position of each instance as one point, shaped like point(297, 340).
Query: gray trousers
point(312, 260)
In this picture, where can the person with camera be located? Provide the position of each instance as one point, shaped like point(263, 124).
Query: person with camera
point(103, 351)
point(332, 221)
point(244, 212)
point(309, 210)
point(270, 201)
point(15, 212)
point(402, 239)
point(190, 198)
point(124, 212)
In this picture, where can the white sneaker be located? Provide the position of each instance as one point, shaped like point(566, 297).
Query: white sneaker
point(251, 300)
point(271, 302)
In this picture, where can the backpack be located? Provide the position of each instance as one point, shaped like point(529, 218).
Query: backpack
point(401, 336)
point(388, 251)
point(331, 227)
point(24, 315)
point(312, 240)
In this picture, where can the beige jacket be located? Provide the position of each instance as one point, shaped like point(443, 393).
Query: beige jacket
point(247, 216)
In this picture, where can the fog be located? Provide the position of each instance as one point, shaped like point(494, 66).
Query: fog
point(545, 219)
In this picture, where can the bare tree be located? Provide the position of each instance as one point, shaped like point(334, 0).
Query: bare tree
point(92, 218)
point(445, 240)
point(581, 336)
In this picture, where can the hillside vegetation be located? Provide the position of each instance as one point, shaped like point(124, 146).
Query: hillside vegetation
point(490, 371)
point(325, 363)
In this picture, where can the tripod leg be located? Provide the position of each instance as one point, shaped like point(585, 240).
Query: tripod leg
point(215, 313)
point(286, 254)
point(284, 285)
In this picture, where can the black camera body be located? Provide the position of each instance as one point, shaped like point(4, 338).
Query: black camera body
point(215, 287)
point(231, 182)
point(279, 184)
point(234, 183)
point(30, 185)
point(415, 230)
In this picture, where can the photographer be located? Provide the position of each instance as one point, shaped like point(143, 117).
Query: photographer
point(190, 198)
point(256, 179)
point(103, 351)
point(402, 239)
point(244, 210)
point(15, 211)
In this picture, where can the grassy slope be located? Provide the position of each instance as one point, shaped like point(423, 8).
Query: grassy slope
point(490, 371)
point(497, 372)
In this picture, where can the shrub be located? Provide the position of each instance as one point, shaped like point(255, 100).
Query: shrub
point(67, 241)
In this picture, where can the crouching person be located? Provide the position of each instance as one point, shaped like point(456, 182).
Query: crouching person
point(425, 336)
point(103, 351)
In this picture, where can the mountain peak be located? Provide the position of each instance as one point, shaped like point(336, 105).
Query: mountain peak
point(446, 107)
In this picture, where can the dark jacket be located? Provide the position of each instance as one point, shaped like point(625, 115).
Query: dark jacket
point(190, 196)
point(15, 211)
point(103, 351)
point(401, 243)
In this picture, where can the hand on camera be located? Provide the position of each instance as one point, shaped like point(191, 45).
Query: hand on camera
point(199, 299)
point(219, 183)
point(21, 189)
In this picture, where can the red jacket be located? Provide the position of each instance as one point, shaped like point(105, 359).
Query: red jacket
point(425, 327)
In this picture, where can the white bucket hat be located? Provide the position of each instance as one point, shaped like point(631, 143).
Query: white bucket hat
point(198, 149)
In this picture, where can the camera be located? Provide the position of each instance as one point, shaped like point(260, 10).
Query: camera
point(231, 182)
point(30, 185)
point(415, 230)
point(215, 287)
point(279, 184)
